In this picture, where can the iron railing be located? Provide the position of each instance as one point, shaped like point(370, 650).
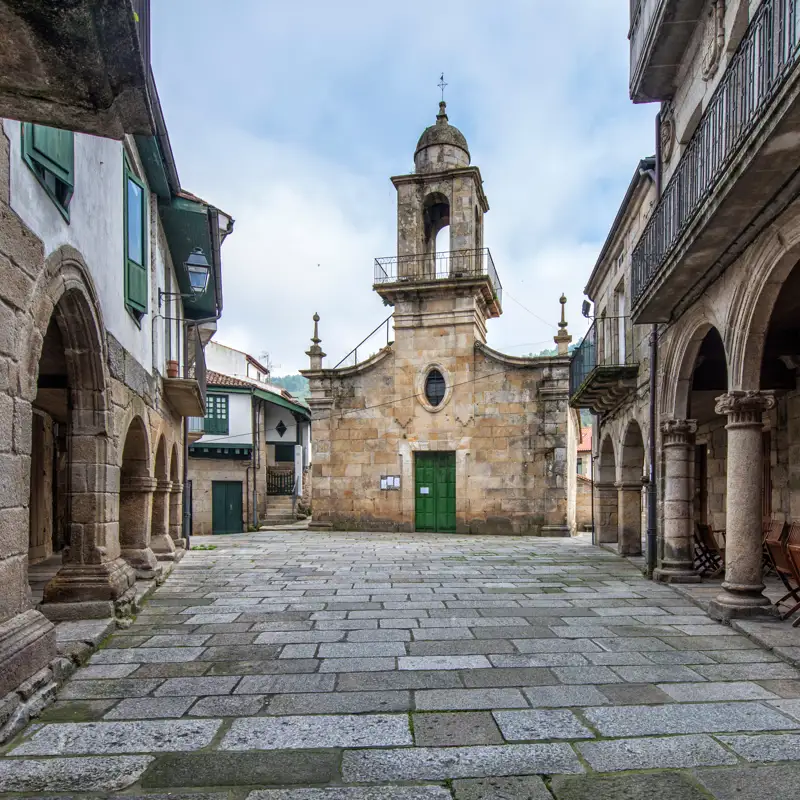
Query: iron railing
point(607, 343)
point(280, 482)
point(449, 265)
point(199, 355)
point(375, 336)
point(760, 65)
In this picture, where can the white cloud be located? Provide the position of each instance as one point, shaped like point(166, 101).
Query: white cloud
point(292, 117)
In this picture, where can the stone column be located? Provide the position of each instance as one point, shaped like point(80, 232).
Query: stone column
point(135, 511)
point(176, 515)
point(677, 441)
point(742, 590)
point(629, 523)
point(605, 495)
point(160, 540)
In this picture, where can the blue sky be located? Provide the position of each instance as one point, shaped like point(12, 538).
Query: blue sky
point(293, 116)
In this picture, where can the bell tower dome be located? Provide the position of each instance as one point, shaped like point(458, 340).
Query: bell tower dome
point(444, 191)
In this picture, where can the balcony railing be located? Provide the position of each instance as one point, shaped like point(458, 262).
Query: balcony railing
point(372, 342)
point(451, 265)
point(601, 364)
point(641, 22)
point(763, 60)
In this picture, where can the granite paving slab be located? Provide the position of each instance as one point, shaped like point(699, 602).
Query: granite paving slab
point(778, 782)
point(449, 729)
point(529, 787)
point(355, 793)
point(652, 786)
point(532, 725)
point(766, 746)
point(97, 773)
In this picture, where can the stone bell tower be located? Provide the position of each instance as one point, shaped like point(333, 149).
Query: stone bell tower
point(459, 285)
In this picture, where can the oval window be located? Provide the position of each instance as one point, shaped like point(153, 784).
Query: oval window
point(434, 387)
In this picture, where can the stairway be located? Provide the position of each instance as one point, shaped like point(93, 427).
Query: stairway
point(279, 510)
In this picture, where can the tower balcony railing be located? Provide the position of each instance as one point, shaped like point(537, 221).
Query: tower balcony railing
point(729, 174)
point(447, 266)
point(603, 369)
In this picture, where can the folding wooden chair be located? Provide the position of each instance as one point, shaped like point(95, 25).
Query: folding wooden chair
point(709, 557)
point(791, 551)
point(766, 559)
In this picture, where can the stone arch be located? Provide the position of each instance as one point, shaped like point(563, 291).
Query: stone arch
point(606, 511)
point(436, 218)
point(763, 277)
point(64, 306)
point(630, 486)
point(136, 499)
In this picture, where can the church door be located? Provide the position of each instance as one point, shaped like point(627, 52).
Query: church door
point(435, 492)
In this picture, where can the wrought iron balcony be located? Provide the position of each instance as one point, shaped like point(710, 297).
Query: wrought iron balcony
point(735, 175)
point(187, 395)
point(603, 370)
point(453, 265)
point(659, 35)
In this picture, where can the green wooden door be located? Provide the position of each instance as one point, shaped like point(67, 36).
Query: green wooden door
point(226, 506)
point(435, 492)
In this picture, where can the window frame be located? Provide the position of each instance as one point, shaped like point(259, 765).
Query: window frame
point(41, 166)
point(219, 425)
point(137, 308)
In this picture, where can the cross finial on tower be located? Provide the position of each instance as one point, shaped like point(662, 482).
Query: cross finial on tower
point(563, 338)
point(314, 352)
point(442, 85)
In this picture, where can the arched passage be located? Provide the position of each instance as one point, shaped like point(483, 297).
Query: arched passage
point(606, 511)
point(175, 499)
point(136, 500)
point(630, 491)
point(160, 539)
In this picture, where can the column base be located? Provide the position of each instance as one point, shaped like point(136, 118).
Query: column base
point(143, 561)
point(163, 546)
point(740, 603)
point(75, 583)
point(555, 530)
point(27, 645)
point(676, 575)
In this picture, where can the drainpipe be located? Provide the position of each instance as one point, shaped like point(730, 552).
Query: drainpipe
point(253, 456)
point(652, 498)
point(187, 511)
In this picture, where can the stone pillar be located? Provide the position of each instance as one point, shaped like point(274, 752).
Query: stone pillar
point(677, 560)
point(606, 515)
point(135, 512)
point(629, 522)
point(160, 539)
point(742, 590)
point(176, 515)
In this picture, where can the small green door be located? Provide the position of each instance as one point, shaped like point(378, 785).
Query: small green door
point(226, 507)
point(435, 492)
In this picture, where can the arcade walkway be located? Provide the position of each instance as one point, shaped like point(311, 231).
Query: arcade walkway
point(416, 668)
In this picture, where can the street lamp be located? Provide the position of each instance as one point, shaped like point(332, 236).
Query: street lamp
point(198, 270)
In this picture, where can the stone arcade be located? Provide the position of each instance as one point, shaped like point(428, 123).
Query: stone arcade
point(437, 431)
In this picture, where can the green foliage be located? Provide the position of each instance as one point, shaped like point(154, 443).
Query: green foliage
point(295, 384)
point(204, 547)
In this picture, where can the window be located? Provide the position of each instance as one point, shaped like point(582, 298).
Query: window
point(50, 153)
point(434, 387)
point(135, 244)
point(580, 466)
point(284, 453)
point(217, 414)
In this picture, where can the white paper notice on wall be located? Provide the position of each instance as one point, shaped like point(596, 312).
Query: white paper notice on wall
point(424, 490)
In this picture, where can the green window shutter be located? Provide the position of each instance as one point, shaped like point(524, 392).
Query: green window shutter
point(54, 150)
point(216, 421)
point(284, 453)
point(135, 216)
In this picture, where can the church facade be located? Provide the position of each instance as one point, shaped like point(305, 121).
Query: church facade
point(438, 432)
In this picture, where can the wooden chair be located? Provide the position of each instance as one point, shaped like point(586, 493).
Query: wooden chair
point(709, 556)
point(775, 545)
point(766, 530)
point(786, 558)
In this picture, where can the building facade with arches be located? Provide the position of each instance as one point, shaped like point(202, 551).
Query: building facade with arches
point(436, 431)
point(711, 270)
point(101, 363)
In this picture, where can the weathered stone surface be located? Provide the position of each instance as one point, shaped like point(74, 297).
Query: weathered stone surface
point(118, 737)
point(103, 773)
point(654, 786)
point(339, 703)
point(560, 696)
point(285, 684)
point(752, 783)
point(197, 686)
point(513, 788)
point(431, 763)
point(765, 747)
point(443, 662)
point(690, 718)
point(227, 706)
point(355, 793)
point(321, 731)
point(667, 752)
point(531, 725)
point(448, 730)
point(120, 687)
point(466, 699)
point(703, 692)
point(150, 708)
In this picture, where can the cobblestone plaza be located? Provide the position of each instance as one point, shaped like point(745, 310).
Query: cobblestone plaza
point(297, 666)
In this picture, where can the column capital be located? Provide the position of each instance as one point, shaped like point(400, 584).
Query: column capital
point(677, 431)
point(744, 408)
point(176, 488)
point(163, 486)
point(136, 483)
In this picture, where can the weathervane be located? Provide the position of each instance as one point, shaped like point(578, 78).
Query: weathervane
point(442, 84)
